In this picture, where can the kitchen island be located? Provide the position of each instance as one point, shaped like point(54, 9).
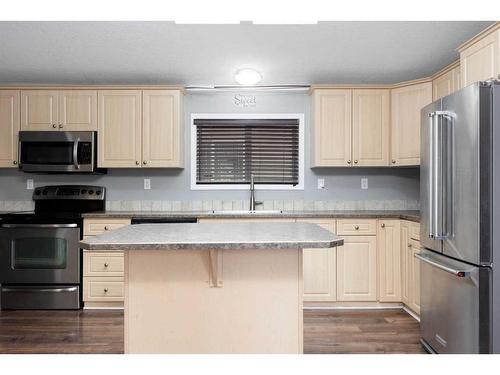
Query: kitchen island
point(213, 288)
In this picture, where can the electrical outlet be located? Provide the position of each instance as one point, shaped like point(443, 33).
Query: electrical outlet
point(364, 183)
point(321, 183)
point(29, 184)
point(147, 184)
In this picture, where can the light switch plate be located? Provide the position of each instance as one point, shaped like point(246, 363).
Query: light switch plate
point(321, 183)
point(147, 184)
point(29, 184)
point(364, 183)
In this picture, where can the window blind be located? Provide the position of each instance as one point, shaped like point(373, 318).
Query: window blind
point(229, 151)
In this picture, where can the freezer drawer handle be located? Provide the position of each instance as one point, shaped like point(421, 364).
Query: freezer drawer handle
point(453, 271)
point(38, 290)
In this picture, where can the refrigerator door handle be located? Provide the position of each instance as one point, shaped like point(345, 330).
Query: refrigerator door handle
point(431, 174)
point(454, 271)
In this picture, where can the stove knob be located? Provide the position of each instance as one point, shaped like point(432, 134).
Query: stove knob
point(91, 192)
point(45, 192)
point(98, 192)
point(37, 192)
point(83, 191)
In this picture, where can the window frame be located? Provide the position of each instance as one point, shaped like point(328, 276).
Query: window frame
point(235, 116)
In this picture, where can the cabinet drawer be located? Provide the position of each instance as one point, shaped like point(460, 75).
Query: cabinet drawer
point(94, 227)
point(102, 264)
point(415, 231)
point(103, 289)
point(353, 227)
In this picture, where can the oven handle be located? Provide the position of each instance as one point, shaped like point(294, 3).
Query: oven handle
point(75, 153)
point(39, 225)
point(44, 290)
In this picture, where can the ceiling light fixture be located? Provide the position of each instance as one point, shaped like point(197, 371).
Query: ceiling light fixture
point(247, 77)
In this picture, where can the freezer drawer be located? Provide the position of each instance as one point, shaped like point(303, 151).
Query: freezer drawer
point(455, 311)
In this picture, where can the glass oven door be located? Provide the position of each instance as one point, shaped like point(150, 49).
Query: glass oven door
point(39, 253)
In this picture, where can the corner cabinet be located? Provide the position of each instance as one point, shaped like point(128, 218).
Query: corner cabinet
point(351, 127)
point(389, 260)
point(140, 129)
point(406, 103)
point(481, 60)
point(49, 110)
point(9, 128)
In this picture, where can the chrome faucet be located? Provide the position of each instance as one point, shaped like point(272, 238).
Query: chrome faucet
point(253, 202)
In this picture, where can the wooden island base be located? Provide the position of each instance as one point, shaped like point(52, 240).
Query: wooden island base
point(213, 301)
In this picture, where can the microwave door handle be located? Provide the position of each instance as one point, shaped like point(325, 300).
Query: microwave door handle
point(75, 153)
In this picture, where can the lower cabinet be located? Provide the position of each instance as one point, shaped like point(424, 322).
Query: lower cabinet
point(103, 272)
point(410, 266)
point(357, 269)
point(389, 267)
point(320, 268)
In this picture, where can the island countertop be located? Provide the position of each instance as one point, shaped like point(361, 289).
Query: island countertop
point(214, 236)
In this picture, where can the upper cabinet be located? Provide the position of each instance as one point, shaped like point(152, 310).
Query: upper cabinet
point(406, 103)
point(120, 129)
point(480, 60)
point(370, 127)
point(351, 127)
point(140, 129)
point(9, 127)
point(332, 128)
point(446, 83)
point(59, 110)
point(161, 129)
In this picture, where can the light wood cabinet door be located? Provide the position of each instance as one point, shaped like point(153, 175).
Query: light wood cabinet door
point(443, 85)
point(320, 268)
point(481, 61)
point(357, 269)
point(9, 128)
point(162, 131)
point(39, 110)
point(370, 127)
point(78, 110)
point(405, 262)
point(414, 277)
point(389, 260)
point(331, 145)
point(406, 103)
point(120, 129)
point(457, 79)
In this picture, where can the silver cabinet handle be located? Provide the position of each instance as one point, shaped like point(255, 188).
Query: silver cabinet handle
point(105, 290)
point(355, 162)
point(14, 162)
point(443, 267)
point(54, 126)
point(393, 161)
point(106, 265)
point(60, 126)
point(348, 162)
point(137, 162)
point(144, 162)
point(106, 227)
point(383, 225)
point(356, 227)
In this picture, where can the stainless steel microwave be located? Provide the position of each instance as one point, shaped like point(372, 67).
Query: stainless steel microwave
point(58, 151)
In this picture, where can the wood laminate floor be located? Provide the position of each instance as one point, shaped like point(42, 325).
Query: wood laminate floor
point(94, 331)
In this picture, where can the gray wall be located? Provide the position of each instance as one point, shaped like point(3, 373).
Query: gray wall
point(341, 183)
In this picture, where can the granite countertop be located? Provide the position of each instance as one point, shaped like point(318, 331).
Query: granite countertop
point(214, 236)
point(405, 215)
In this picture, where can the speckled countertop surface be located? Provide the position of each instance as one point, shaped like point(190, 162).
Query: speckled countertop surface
point(214, 236)
point(405, 215)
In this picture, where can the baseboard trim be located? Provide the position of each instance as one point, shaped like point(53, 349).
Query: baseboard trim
point(410, 312)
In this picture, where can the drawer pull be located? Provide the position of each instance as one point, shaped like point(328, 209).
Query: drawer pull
point(383, 225)
point(106, 265)
point(105, 290)
point(356, 227)
point(106, 228)
point(409, 245)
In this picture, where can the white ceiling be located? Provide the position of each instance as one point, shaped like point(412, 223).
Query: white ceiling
point(167, 53)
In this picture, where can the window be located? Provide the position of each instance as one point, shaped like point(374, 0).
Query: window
point(228, 149)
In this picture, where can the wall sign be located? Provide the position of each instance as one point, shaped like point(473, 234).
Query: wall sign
point(245, 100)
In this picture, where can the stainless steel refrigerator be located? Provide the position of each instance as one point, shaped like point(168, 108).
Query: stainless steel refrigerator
point(460, 221)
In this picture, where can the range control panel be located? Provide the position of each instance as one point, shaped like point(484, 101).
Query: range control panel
point(73, 192)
